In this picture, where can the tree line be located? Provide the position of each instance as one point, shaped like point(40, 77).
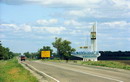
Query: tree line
point(5, 53)
point(63, 48)
point(114, 55)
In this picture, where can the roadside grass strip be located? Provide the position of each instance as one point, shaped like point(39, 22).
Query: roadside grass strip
point(112, 64)
point(12, 71)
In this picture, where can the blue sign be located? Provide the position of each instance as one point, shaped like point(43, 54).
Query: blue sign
point(86, 54)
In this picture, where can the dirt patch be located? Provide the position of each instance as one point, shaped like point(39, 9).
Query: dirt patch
point(124, 61)
point(14, 71)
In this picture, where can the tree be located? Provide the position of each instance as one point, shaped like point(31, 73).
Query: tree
point(57, 44)
point(31, 55)
point(27, 54)
point(34, 55)
point(2, 52)
point(5, 53)
point(63, 47)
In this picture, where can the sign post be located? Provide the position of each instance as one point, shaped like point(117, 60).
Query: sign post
point(45, 54)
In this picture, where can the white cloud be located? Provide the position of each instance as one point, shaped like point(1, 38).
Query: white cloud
point(67, 2)
point(54, 3)
point(78, 13)
point(116, 24)
point(84, 12)
point(26, 28)
point(72, 22)
point(29, 28)
point(15, 28)
point(128, 39)
point(99, 12)
point(47, 22)
point(122, 3)
point(74, 32)
point(82, 8)
point(53, 30)
point(42, 21)
point(2, 36)
point(8, 27)
point(102, 9)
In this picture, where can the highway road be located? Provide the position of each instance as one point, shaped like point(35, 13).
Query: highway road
point(67, 72)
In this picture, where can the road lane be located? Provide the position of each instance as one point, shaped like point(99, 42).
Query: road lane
point(119, 74)
point(70, 73)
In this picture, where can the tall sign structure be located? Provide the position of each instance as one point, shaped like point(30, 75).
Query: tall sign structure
point(93, 54)
point(93, 38)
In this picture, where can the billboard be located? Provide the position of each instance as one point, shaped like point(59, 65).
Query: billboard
point(93, 35)
point(45, 54)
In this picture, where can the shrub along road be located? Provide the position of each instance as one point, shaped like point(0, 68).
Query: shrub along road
point(65, 72)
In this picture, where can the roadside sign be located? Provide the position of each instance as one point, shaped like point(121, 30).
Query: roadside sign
point(45, 54)
point(93, 35)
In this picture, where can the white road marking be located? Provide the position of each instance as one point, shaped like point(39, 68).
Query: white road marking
point(85, 73)
point(43, 73)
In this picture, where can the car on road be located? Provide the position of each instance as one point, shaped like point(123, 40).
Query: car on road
point(23, 57)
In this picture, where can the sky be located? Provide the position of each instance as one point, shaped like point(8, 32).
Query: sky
point(28, 25)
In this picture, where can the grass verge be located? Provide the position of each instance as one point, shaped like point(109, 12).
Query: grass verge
point(111, 64)
point(12, 71)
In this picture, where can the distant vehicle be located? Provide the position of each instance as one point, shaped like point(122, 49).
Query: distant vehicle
point(22, 57)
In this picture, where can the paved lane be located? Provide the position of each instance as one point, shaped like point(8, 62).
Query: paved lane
point(75, 73)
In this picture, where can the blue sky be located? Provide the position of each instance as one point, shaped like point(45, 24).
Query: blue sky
point(27, 25)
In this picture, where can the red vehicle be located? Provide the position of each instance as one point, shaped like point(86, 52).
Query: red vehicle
point(23, 58)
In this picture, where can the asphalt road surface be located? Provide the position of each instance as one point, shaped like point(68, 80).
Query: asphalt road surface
point(66, 72)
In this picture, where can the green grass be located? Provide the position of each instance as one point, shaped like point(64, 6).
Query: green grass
point(12, 71)
point(112, 64)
